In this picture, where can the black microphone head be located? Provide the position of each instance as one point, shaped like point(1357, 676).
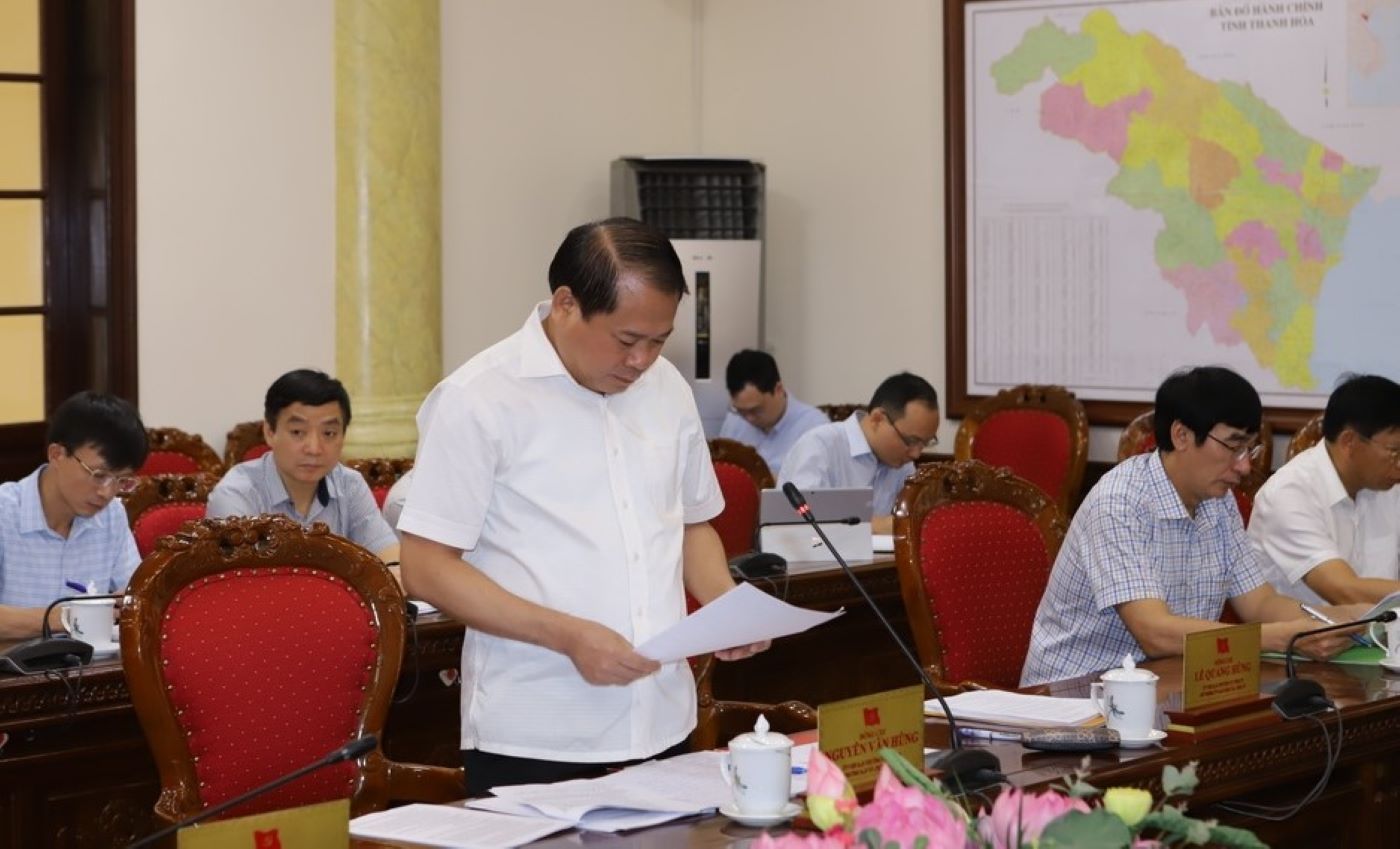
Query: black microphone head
point(356, 749)
point(1387, 615)
point(794, 496)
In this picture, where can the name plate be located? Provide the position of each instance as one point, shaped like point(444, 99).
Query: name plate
point(1220, 665)
point(322, 826)
point(853, 731)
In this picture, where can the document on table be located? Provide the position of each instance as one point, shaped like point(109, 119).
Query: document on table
point(741, 616)
point(882, 543)
point(453, 828)
point(1017, 709)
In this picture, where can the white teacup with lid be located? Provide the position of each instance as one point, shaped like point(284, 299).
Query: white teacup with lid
point(758, 769)
point(1127, 698)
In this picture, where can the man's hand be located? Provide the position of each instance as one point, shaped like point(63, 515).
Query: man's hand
point(741, 652)
point(1275, 636)
point(603, 657)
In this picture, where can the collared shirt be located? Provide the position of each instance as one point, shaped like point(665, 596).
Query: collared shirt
point(1131, 539)
point(578, 502)
point(1303, 517)
point(837, 456)
point(35, 561)
point(773, 446)
point(343, 501)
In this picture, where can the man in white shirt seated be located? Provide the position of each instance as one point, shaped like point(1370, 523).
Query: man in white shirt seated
point(875, 447)
point(762, 412)
point(1328, 522)
point(560, 508)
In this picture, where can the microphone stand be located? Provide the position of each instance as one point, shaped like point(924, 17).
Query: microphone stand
point(1302, 696)
point(350, 751)
point(965, 767)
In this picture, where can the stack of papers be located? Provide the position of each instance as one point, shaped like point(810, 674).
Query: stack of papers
point(1017, 710)
point(452, 827)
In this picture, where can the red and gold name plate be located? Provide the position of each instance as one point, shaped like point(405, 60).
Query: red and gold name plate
point(1220, 665)
point(322, 826)
point(852, 732)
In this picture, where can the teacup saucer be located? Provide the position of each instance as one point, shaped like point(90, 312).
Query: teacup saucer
point(1153, 737)
point(1390, 665)
point(790, 810)
point(101, 650)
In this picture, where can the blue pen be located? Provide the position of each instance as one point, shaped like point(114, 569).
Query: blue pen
point(799, 770)
point(76, 587)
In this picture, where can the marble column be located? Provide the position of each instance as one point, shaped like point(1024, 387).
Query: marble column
point(388, 306)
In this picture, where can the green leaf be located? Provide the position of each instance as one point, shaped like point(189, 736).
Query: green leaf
point(912, 776)
point(1235, 838)
point(1169, 822)
point(1097, 829)
point(1078, 788)
point(921, 842)
point(1179, 782)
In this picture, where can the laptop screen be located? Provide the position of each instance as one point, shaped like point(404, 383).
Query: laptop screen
point(828, 505)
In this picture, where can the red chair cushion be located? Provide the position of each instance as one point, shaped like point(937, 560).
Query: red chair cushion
point(267, 671)
point(380, 493)
point(738, 523)
point(255, 452)
point(168, 463)
point(1245, 503)
point(1146, 444)
point(163, 520)
point(1033, 444)
point(984, 567)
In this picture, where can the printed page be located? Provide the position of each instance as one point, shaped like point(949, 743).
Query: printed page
point(1017, 709)
point(741, 616)
point(452, 827)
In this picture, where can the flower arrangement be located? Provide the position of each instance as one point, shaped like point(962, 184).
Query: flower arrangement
point(911, 811)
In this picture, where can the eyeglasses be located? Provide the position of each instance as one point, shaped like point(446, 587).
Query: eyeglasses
point(125, 485)
point(747, 412)
point(912, 442)
point(1392, 451)
point(1249, 451)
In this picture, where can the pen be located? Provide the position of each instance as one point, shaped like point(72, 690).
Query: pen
point(76, 587)
point(1327, 620)
point(799, 770)
point(988, 734)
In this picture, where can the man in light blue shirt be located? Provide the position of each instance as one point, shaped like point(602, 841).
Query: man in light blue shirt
point(762, 413)
point(305, 415)
point(875, 447)
point(62, 527)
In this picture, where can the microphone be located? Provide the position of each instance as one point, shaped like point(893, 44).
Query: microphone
point(1302, 696)
point(965, 767)
point(353, 750)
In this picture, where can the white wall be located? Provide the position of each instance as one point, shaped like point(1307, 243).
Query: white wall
point(235, 111)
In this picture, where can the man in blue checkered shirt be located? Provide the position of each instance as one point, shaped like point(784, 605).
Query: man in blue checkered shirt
point(1158, 547)
point(62, 526)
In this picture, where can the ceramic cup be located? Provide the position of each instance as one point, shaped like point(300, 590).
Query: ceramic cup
point(1387, 636)
point(758, 769)
point(89, 620)
point(1127, 698)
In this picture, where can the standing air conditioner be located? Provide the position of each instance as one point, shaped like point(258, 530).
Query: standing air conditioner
point(712, 210)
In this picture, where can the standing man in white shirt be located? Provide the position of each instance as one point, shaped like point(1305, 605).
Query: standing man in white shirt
point(1328, 522)
point(762, 413)
point(559, 507)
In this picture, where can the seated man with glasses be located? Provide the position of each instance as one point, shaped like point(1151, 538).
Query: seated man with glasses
point(875, 447)
point(762, 412)
point(1158, 546)
point(1328, 522)
point(62, 527)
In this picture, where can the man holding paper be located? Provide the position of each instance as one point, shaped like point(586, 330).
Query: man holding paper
point(559, 507)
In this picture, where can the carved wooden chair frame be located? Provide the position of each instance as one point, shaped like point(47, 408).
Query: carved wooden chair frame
point(176, 441)
point(1050, 399)
point(381, 471)
point(938, 485)
point(213, 546)
point(1307, 436)
point(241, 437)
point(745, 457)
point(719, 721)
point(1130, 441)
point(154, 490)
point(841, 412)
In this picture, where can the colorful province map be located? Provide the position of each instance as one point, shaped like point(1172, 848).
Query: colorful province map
point(1254, 212)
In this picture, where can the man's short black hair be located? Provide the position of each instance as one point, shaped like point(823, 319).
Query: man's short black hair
point(1202, 398)
point(304, 386)
point(594, 256)
point(750, 366)
point(1366, 403)
point(109, 424)
point(895, 393)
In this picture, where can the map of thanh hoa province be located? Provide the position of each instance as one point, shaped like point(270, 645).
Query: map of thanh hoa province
point(1254, 212)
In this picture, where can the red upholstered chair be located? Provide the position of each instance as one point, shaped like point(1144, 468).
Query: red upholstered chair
point(974, 546)
point(161, 504)
point(718, 722)
point(1040, 433)
point(244, 442)
point(1137, 437)
point(742, 475)
point(251, 647)
point(175, 452)
point(381, 474)
point(1307, 436)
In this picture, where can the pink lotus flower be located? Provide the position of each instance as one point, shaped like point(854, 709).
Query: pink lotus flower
point(838, 839)
point(902, 814)
point(830, 800)
point(1017, 818)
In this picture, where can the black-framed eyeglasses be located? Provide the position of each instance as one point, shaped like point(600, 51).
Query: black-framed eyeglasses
point(1250, 451)
point(124, 484)
point(912, 442)
point(1393, 452)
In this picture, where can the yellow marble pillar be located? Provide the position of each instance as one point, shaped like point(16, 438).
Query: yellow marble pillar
point(388, 306)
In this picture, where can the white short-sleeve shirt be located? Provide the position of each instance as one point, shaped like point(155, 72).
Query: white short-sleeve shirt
point(1303, 517)
point(578, 502)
